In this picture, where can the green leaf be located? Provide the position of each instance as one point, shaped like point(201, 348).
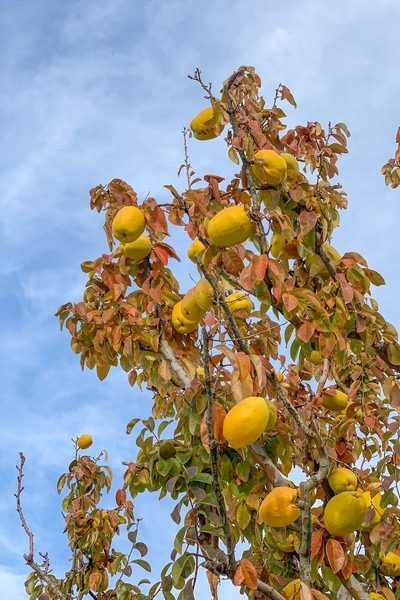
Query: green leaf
point(142, 563)
point(243, 516)
point(131, 425)
point(61, 482)
point(182, 567)
point(141, 548)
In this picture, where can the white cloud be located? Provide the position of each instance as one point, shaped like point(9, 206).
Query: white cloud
point(99, 90)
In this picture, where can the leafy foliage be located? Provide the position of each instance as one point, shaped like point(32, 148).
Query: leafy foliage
point(315, 328)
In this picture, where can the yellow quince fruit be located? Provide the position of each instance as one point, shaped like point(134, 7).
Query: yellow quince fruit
point(232, 225)
point(269, 168)
point(128, 224)
point(336, 400)
point(179, 322)
point(375, 596)
point(292, 167)
point(204, 294)
point(272, 415)
point(278, 509)
point(344, 513)
point(84, 441)
point(391, 564)
point(206, 125)
point(246, 421)
point(342, 480)
point(197, 247)
point(139, 249)
point(291, 591)
point(190, 308)
point(239, 301)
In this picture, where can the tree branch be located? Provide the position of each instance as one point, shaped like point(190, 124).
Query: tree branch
point(214, 457)
point(41, 570)
point(258, 452)
point(175, 364)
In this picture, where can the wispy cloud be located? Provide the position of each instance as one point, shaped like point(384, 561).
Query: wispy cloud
point(96, 90)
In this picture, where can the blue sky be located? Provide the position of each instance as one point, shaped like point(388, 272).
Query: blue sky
point(92, 90)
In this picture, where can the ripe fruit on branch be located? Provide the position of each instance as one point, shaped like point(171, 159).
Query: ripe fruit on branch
point(137, 250)
point(207, 125)
point(196, 248)
point(190, 308)
point(291, 591)
point(292, 166)
point(239, 301)
point(335, 400)
point(344, 513)
point(179, 322)
point(278, 509)
point(230, 226)
point(246, 421)
point(342, 480)
point(204, 293)
point(128, 224)
point(84, 441)
point(272, 415)
point(375, 596)
point(391, 564)
point(269, 168)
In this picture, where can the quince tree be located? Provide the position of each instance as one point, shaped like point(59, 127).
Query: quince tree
point(275, 376)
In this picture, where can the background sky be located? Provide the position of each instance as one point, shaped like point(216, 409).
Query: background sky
point(92, 90)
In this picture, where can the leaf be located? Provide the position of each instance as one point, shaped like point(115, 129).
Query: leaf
point(243, 516)
point(317, 539)
point(305, 331)
point(286, 94)
point(374, 277)
point(290, 302)
point(393, 352)
point(141, 548)
point(335, 554)
point(233, 155)
point(120, 497)
point(307, 220)
point(249, 574)
point(213, 581)
point(131, 425)
point(142, 563)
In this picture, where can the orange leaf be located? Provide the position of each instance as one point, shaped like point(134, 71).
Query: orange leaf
point(305, 331)
point(120, 497)
point(335, 554)
point(259, 264)
point(289, 301)
point(238, 577)
point(249, 573)
point(213, 581)
point(316, 542)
